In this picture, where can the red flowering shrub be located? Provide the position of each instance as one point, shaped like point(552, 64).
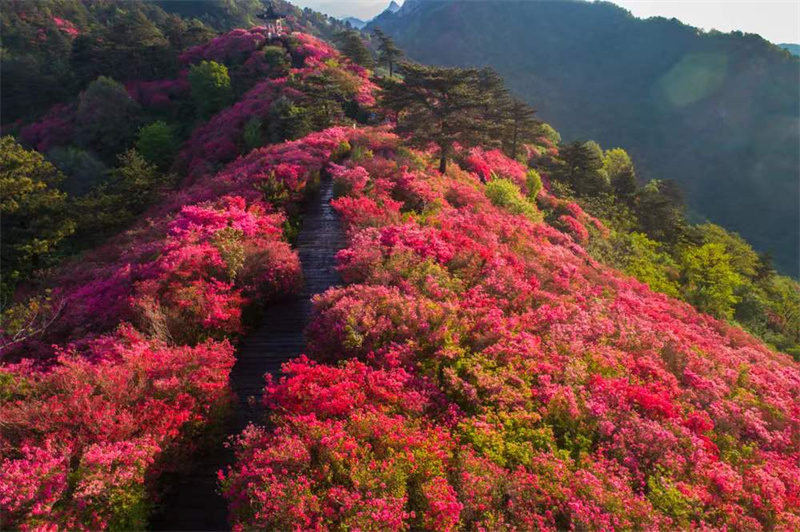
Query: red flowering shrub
point(56, 128)
point(558, 393)
point(493, 164)
point(161, 93)
point(83, 441)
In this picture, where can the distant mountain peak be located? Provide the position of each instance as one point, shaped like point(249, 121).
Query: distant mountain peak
point(356, 22)
point(394, 7)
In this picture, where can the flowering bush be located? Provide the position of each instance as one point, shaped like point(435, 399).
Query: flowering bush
point(56, 128)
point(491, 375)
point(83, 441)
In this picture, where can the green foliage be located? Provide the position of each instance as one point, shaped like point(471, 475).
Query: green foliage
point(520, 124)
point(287, 121)
point(328, 92)
point(546, 130)
point(388, 52)
point(277, 59)
point(107, 118)
point(506, 195)
point(619, 168)
point(254, 133)
point(582, 168)
point(659, 209)
point(274, 191)
point(82, 171)
point(211, 87)
point(709, 280)
point(666, 498)
point(533, 181)
point(352, 46)
point(35, 217)
point(130, 189)
point(445, 105)
point(157, 144)
point(744, 260)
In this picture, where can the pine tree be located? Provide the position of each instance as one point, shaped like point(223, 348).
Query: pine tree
point(388, 52)
point(521, 126)
point(352, 46)
point(442, 106)
point(582, 168)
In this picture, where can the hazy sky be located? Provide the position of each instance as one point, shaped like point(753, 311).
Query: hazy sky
point(775, 20)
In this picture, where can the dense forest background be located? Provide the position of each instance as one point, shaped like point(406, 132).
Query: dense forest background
point(716, 112)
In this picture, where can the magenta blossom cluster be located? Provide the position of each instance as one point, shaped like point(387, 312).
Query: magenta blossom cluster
point(159, 94)
point(66, 26)
point(486, 374)
point(82, 443)
point(56, 128)
point(232, 47)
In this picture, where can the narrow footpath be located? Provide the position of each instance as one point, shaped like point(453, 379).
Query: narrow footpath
point(195, 504)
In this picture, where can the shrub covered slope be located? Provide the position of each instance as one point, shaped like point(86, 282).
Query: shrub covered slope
point(480, 369)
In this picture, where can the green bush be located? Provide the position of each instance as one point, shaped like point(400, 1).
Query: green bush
point(157, 144)
point(534, 183)
point(506, 195)
point(211, 87)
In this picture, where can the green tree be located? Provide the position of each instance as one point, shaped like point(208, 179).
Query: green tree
point(709, 280)
point(327, 92)
point(287, 121)
point(278, 60)
point(352, 46)
point(744, 259)
point(582, 168)
point(83, 171)
point(157, 144)
point(441, 106)
point(211, 87)
point(389, 53)
point(34, 212)
point(619, 168)
point(130, 189)
point(534, 183)
point(546, 130)
point(521, 126)
point(107, 118)
point(660, 212)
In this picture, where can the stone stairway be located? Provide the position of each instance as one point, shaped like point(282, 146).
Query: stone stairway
point(195, 504)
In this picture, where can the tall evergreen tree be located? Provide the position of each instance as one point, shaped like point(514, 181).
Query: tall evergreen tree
point(521, 126)
point(388, 52)
point(582, 168)
point(352, 46)
point(441, 106)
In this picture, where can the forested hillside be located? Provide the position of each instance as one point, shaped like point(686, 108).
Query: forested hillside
point(52, 49)
point(716, 112)
point(526, 336)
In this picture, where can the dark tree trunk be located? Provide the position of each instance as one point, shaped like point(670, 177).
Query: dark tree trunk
point(443, 162)
point(514, 143)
